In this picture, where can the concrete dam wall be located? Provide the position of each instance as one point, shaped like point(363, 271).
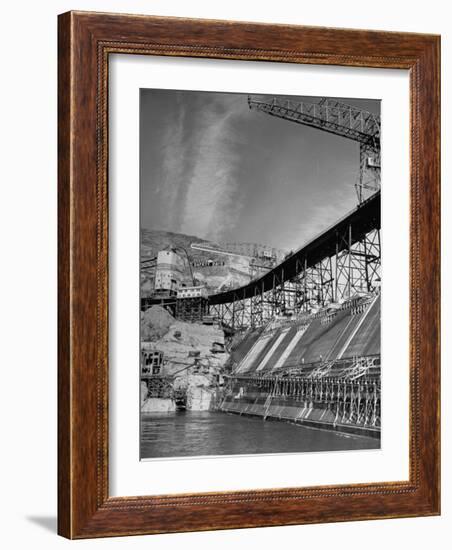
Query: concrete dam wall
point(319, 369)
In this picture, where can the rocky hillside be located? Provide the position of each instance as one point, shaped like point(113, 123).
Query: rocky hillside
point(234, 272)
point(153, 240)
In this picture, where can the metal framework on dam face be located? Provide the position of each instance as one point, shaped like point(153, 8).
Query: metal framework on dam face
point(342, 262)
point(342, 398)
point(321, 369)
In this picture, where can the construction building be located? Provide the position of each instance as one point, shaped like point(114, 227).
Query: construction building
point(169, 272)
point(192, 304)
point(151, 360)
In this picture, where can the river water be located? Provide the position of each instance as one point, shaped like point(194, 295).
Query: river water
point(205, 433)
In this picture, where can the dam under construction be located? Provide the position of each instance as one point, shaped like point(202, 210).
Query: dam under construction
point(299, 344)
point(294, 340)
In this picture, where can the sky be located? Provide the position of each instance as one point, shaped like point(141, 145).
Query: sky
point(213, 168)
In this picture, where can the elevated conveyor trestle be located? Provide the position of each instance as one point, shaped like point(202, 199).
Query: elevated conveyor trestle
point(342, 262)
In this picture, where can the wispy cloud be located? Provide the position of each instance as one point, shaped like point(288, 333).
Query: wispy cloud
point(173, 166)
point(212, 205)
point(199, 158)
point(215, 169)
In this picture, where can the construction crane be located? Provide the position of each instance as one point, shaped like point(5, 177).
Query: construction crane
point(342, 120)
point(177, 249)
point(208, 248)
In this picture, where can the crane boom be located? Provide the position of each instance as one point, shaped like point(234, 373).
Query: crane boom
point(328, 115)
point(336, 118)
point(207, 248)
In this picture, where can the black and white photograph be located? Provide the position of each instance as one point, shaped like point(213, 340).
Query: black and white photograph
point(260, 274)
point(226, 242)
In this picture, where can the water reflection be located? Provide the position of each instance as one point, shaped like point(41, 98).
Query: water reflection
point(216, 433)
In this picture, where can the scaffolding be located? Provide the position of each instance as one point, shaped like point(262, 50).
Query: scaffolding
point(333, 392)
point(352, 271)
point(192, 310)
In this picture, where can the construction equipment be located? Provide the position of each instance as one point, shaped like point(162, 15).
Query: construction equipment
point(207, 247)
point(342, 120)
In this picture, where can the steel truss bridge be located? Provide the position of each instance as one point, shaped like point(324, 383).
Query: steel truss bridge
point(338, 264)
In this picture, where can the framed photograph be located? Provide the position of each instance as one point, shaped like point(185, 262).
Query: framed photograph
point(248, 275)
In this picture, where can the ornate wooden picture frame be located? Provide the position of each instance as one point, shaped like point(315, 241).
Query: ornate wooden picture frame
point(86, 40)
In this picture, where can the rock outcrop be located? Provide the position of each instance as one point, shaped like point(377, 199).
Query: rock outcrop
point(155, 404)
point(193, 355)
point(155, 323)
